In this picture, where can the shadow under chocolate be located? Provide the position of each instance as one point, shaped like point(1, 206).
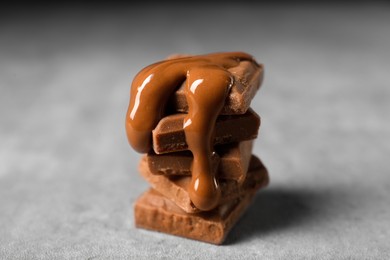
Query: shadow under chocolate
point(275, 209)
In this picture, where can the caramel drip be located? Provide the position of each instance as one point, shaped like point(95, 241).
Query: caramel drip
point(208, 84)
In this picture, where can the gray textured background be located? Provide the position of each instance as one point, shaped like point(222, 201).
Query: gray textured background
point(68, 177)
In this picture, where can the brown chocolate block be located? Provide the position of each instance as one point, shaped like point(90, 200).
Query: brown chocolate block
point(175, 188)
point(233, 163)
point(247, 80)
point(169, 135)
point(156, 213)
point(176, 163)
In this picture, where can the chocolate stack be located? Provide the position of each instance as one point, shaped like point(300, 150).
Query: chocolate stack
point(168, 206)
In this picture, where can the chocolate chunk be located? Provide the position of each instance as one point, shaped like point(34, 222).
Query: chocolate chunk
point(169, 135)
point(175, 188)
point(176, 163)
point(157, 213)
point(233, 162)
point(248, 77)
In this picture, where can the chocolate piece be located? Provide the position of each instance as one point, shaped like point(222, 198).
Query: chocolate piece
point(233, 163)
point(169, 134)
point(175, 188)
point(157, 213)
point(237, 157)
point(176, 163)
point(247, 80)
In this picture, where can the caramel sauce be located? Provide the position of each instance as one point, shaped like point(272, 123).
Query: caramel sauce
point(208, 85)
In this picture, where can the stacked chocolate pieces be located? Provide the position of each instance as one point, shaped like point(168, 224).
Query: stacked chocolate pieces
point(167, 206)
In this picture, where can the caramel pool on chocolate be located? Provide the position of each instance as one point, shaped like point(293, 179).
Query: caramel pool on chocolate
point(208, 83)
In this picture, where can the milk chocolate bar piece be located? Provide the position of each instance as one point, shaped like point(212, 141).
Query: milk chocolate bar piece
point(248, 78)
point(233, 163)
point(169, 135)
point(176, 163)
point(156, 213)
point(175, 188)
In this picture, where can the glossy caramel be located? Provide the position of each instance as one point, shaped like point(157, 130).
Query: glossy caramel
point(208, 84)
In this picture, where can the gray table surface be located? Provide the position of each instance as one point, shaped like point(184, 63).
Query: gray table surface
point(68, 178)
